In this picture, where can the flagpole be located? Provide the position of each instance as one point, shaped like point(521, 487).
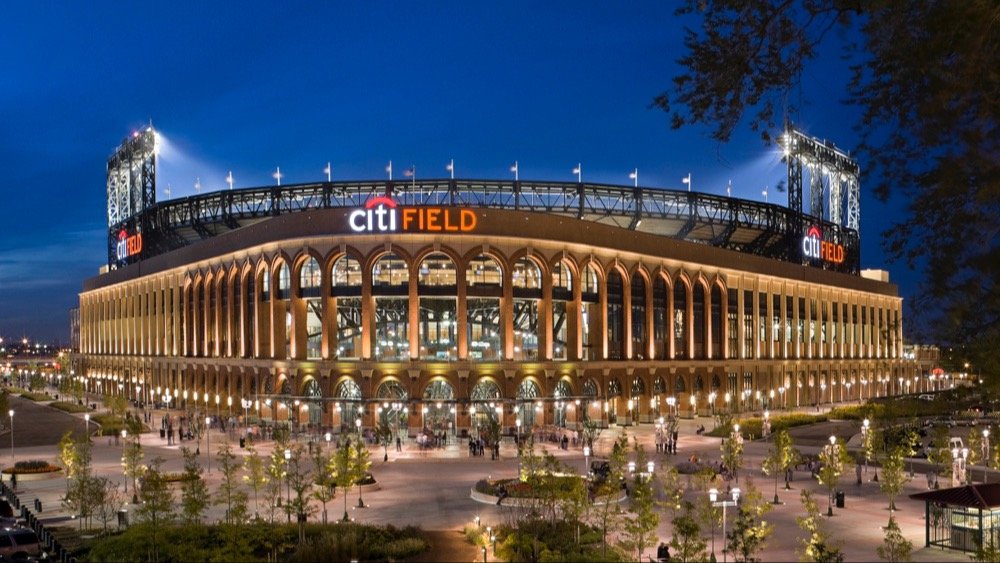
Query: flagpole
point(389, 170)
point(451, 168)
point(579, 173)
point(329, 172)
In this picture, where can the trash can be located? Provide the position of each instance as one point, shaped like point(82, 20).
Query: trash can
point(840, 499)
point(243, 442)
point(163, 433)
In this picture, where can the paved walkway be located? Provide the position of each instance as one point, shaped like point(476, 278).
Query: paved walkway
point(430, 489)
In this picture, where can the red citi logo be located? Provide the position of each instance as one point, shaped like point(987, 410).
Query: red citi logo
point(382, 214)
point(813, 246)
point(128, 246)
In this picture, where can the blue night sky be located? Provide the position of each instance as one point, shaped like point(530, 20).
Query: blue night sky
point(252, 85)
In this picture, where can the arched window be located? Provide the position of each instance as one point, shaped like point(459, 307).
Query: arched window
point(681, 326)
point(349, 403)
point(562, 293)
point(284, 282)
point(590, 313)
point(527, 394)
point(436, 286)
point(346, 291)
point(616, 316)
point(484, 288)
point(660, 317)
point(640, 340)
point(526, 279)
point(310, 284)
point(390, 287)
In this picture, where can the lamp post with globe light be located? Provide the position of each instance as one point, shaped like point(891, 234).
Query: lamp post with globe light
point(986, 453)
point(713, 497)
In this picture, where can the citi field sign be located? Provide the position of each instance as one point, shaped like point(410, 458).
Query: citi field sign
point(383, 215)
point(813, 246)
point(128, 245)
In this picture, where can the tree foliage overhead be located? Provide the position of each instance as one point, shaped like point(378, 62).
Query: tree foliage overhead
point(925, 77)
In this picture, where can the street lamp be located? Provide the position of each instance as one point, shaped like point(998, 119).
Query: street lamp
point(86, 417)
point(711, 401)
point(986, 452)
point(586, 459)
point(864, 443)
point(713, 496)
point(246, 403)
point(208, 443)
point(11, 414)
point(694, 405)
point(124, 475)
point(958, 458)
point(288, 486)
point(766, 427)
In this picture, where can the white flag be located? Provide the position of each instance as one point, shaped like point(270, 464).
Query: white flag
point(514, 168)
point(633, 175)
point(450, 167)
point(576, 170)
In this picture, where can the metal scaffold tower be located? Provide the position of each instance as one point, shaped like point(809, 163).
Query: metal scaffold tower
point(131, 188)
point(834, 187)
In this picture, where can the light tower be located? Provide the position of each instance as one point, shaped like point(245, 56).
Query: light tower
point(131, 189)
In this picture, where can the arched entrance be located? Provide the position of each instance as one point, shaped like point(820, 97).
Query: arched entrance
point(439, 407)
point(392, 410)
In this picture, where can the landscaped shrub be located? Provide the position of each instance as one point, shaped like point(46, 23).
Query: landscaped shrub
point(31, 466)
point(66, 406)
point(753, 427)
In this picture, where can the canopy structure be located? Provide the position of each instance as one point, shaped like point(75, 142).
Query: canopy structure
point(962, 518)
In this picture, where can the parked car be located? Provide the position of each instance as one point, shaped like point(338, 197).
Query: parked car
point(19, 543)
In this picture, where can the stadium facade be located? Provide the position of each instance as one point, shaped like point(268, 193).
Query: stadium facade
point(442, 303)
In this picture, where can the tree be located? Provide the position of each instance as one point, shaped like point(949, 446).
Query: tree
point(641, 519)
point(300, 480)
point(934, 142)
point(79, 474)
point(383, 432)
point(686, 541)
point(780, 458)
point(833, 459)
point(107, 499)
point(157, 502)
point(343, 472)
point(132, 456)
point(68, 456)
point(750, 531)
point(230, 494)
point(116, 405)
point(893, 476)
point(360, 464)
point(609, 489)
point(895, 547)
point(816, 547)
point(255, 475)
point(276, 468)
point(732, 453)
point(194, 492)
point(323, 477)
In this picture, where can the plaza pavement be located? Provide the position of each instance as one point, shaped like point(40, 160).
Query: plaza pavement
point(431, 488)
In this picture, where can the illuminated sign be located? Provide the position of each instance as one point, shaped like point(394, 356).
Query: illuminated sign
point(813, 246)
point(128, 246)
point(383, 215)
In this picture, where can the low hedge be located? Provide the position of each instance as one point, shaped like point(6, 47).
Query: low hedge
point(751, 428)
point(69, 407)
point(32, 466)
point(36, 396)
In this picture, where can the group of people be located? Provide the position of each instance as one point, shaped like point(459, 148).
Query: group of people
point(666, 439)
